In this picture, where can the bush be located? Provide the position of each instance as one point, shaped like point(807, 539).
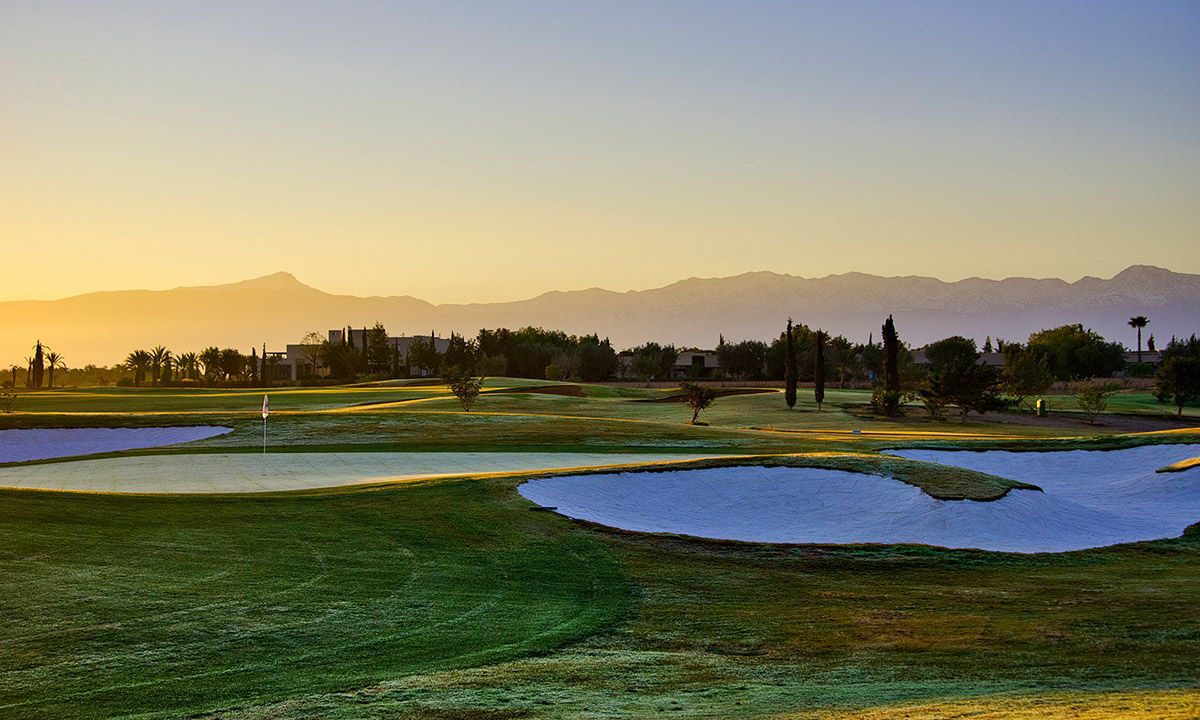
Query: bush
point(885, 402)
point(553, 372)
point(8, 401)
point(125, 382)
point(1141, 370)
point(1092, 396)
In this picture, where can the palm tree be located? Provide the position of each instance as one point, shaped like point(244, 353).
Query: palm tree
point(232, 363)
point(187, 364)
point(138, 361)
point(1139, 322)
point(159, 356)
point(54, 360)
point(210, 358)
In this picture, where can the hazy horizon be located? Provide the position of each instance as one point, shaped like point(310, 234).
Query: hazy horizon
point(481, 152)
point(400, 293)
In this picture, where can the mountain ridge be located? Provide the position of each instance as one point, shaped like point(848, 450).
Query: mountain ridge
point(102, 327)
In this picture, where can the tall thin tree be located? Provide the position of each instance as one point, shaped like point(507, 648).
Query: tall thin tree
point(1139, 322)
point(789, 368)
point(39, 366)
point(819, 370)
point(891, 366)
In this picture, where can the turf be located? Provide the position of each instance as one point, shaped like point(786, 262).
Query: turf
point(161, 607)
point(452, 600)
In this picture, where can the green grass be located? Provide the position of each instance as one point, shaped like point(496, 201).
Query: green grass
point(162, 607)
point(452, 600)
point(380, 603)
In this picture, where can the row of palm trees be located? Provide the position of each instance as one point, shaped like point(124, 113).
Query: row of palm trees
point(211, 365)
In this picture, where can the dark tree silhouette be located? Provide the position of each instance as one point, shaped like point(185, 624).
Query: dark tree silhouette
point(1138, 322)
point(891, 370)
point(789, 372)
point(819, 370)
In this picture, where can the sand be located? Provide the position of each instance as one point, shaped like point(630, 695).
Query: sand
point(45, 443)
point(1091, 499)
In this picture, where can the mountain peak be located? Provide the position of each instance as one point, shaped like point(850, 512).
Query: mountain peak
point(275, 281)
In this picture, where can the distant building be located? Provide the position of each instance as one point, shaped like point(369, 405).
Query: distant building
point(296, 362)
point(992, 359)
point(688, 364)
point(1153, 358)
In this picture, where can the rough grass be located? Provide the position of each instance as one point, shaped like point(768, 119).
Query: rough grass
point(1150, 705)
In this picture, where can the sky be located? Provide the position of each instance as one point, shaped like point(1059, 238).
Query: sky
point(486, 151)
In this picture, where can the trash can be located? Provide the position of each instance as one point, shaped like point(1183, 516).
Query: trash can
point(1042, 408)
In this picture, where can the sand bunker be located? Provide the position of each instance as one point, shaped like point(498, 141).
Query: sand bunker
point(43, 443)
point(1091, 499)
point(253, 472)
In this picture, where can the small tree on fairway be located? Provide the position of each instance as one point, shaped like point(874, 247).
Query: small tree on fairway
point(819, 370)
point(8, 400)
point(1092, 396)
point(464, 385)
point(698, 397)
point(789, 367)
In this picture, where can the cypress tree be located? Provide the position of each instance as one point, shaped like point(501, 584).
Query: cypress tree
point(265, 375)
point(891, 369)
point(254, 367)
point(819, 370)
point(789, 368)
point(39, 367)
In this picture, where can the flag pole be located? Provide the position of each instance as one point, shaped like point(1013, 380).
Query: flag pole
point(265, 412)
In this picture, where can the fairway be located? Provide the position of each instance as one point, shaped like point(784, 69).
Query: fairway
point(273, 472)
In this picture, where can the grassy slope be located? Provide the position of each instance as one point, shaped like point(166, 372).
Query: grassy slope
point(160, 607)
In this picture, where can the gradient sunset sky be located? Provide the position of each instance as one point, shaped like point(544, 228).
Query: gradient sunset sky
point(492, 150)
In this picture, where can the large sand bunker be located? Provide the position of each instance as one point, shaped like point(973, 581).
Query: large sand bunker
point(45, 443)
point(1091, 499)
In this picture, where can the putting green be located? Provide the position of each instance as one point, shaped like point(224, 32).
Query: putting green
point(252, 472)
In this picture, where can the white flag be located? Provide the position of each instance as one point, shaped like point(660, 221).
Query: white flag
point(266, 410)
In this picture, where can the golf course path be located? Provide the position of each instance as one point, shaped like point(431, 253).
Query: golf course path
point(253, 472)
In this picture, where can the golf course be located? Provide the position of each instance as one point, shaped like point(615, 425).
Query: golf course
point(573, 550)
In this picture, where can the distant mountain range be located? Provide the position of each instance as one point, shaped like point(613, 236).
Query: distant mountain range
point(103, 327)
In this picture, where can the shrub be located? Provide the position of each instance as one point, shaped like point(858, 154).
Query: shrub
point(1092, 396)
